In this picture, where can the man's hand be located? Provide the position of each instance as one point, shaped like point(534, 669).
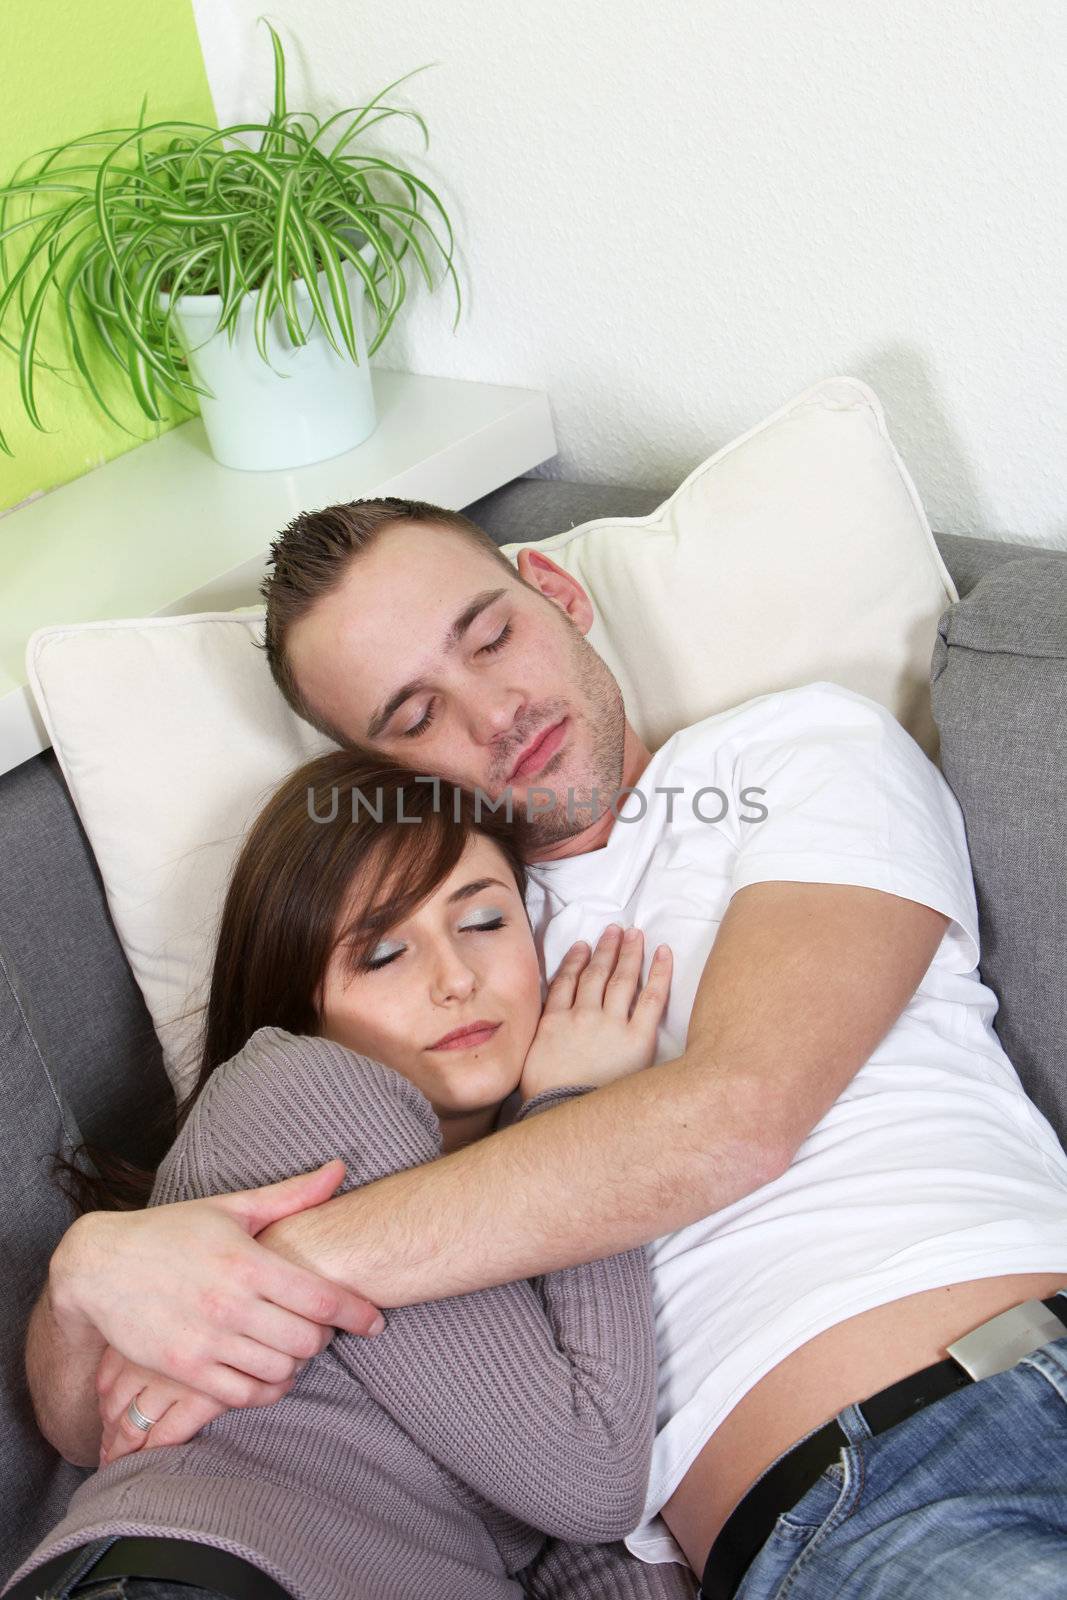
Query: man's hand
point(187, 1292)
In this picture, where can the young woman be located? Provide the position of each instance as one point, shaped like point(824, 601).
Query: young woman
point(376, 996)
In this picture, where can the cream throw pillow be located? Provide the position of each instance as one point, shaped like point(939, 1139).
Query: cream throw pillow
point(171, 736)
point(799, 552)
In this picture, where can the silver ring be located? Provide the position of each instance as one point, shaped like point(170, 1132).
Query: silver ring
point(138, 1418)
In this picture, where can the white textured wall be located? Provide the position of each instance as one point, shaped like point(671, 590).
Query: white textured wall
point(675, 217)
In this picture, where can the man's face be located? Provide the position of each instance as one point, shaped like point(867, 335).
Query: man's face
point(432, 654)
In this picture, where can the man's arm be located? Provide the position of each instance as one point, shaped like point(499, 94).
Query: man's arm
point(802, 983)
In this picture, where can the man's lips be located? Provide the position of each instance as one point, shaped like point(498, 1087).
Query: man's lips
point(539, 751)
point(465, 1038)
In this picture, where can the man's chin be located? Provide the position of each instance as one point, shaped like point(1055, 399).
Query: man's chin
point(545, 829)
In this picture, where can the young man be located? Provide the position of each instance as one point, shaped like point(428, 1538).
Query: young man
point(822, 1233)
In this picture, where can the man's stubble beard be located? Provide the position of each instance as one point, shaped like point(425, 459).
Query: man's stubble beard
point(600, 713)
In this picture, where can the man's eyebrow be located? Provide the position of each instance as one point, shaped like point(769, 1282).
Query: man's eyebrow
point(470, 612)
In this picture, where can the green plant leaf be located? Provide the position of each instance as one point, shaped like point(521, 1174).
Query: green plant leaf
point(351, 253)
point(357, 125)
point(83, 365)
point(278, 113)
point(282, 277)
point(30, 330)
point(335, 278)
point(304, 252)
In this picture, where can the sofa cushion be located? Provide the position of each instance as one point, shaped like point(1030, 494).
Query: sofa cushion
point(171, 736)
point(537, 508)
point(999, 691)
point(796, 553)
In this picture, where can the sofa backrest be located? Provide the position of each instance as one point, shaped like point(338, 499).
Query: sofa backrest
point(999, 696)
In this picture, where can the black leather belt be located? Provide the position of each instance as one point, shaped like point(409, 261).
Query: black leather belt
point(978, 1354)
point(180, 1559)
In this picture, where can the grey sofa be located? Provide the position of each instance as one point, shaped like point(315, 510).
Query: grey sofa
point(80, 1059)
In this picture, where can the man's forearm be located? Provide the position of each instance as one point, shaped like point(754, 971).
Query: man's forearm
point(802, 983)
point(601, 1173)
point(63, 1353)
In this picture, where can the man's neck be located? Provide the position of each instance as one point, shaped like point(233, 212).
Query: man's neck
point(635, 758)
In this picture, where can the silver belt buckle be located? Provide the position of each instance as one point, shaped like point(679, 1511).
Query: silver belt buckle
point(1002, 1341)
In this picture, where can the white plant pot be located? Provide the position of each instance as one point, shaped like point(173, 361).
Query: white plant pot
point(308, 404)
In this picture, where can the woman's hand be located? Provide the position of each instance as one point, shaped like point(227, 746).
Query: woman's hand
point(177, 1413)
point(587, 1033)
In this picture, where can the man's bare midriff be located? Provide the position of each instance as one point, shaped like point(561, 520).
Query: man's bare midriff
point(847, 1362)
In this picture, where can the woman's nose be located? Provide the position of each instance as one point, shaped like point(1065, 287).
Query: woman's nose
point(453, 979)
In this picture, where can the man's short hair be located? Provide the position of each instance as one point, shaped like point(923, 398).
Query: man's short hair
point(310, 558)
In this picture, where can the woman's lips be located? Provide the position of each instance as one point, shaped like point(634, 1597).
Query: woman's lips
point(480, 1033)
point(542, 752)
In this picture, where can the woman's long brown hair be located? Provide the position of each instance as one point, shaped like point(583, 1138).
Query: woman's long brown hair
point(342, 818)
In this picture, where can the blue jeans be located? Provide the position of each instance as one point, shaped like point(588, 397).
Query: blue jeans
point(967, 1498)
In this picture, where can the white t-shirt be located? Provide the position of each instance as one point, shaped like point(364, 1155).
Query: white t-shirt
point(932, 1167)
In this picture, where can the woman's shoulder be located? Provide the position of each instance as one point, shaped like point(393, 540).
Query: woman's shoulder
point(286, 1099)
point(275, 1062)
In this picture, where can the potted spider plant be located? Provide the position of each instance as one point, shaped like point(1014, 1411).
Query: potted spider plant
point(216, 271)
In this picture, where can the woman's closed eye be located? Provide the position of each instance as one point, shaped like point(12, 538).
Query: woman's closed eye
point(381, 956)
point(485, 920)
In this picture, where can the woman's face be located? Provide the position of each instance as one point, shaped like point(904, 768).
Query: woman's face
point(466, 956)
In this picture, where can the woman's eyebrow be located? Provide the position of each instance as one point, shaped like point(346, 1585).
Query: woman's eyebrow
point(375, 922)
point(471, 611)
point(470, 889)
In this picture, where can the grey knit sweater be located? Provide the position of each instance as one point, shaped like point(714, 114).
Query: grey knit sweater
point(433, 1460)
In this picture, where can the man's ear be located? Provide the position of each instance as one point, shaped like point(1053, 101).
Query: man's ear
point(542, 573)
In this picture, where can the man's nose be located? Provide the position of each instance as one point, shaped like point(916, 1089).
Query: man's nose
point(495, 714)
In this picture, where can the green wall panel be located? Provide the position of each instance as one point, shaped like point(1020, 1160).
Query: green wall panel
point(68, 67)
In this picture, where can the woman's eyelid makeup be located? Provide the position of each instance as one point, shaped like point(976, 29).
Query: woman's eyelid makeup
point(483, 914)
point(488, 914)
